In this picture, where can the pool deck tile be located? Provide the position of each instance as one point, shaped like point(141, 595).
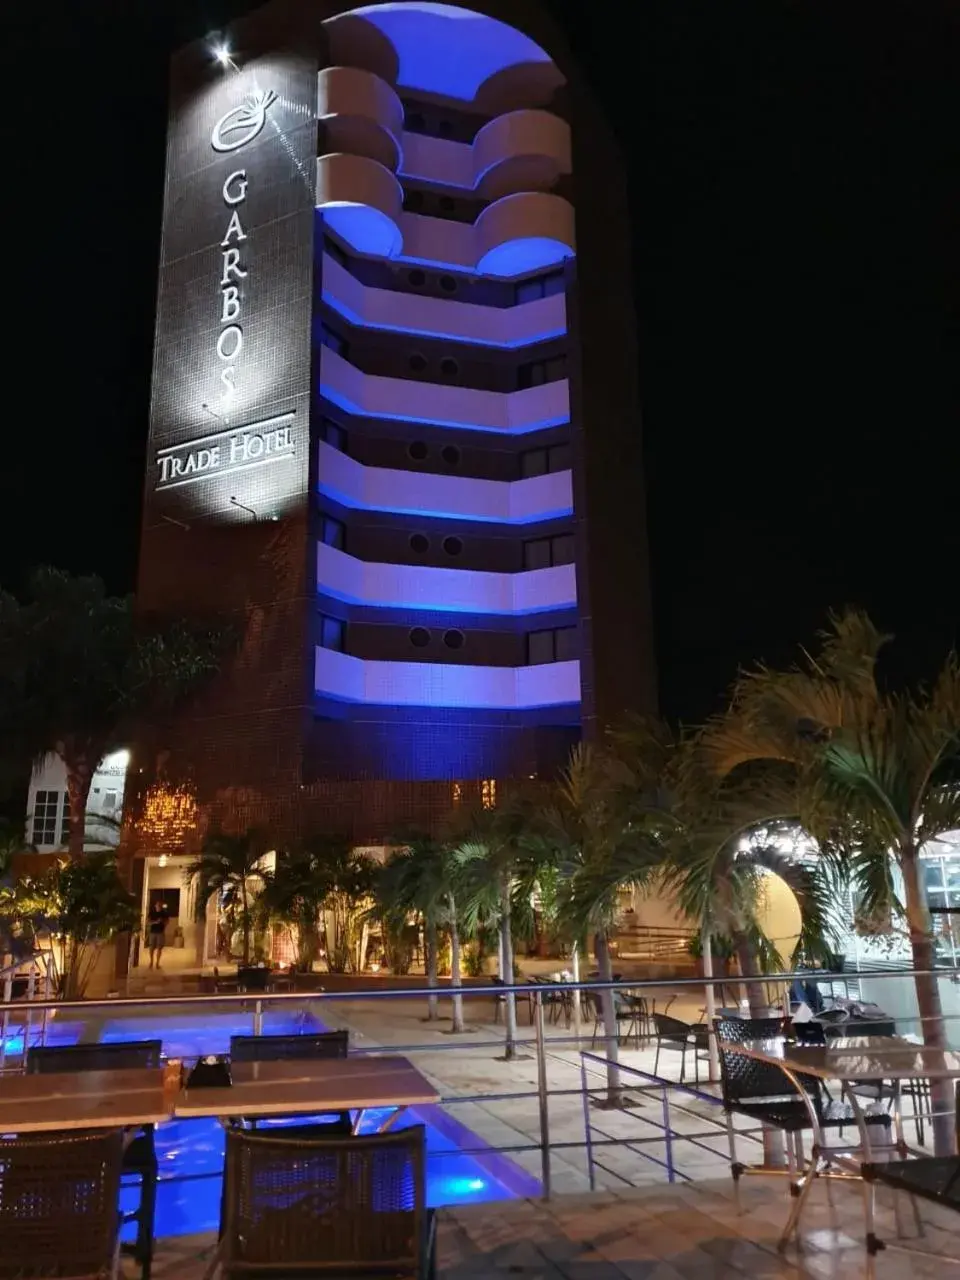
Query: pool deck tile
point(689, 1232)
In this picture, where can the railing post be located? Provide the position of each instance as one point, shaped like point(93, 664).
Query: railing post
point(31, 995)
point(668, 1136)
point(7, 997)
point(587, 1127)
point(542, 1094)
point(258, 1018)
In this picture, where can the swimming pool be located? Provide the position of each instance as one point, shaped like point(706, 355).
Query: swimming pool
point(190, 1152)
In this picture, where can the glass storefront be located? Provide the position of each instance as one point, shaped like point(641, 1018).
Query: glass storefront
point(942, 879)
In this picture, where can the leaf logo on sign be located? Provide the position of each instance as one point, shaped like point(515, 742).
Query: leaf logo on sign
point(242, 124)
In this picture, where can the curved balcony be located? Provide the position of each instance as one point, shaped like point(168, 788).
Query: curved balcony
point(524, 232)
point(434, 684)
point(361, 113)
point(396, 312)
point(520, 151)
point(362, 202)
point(518, 502)
point(371, 396)
point(414, 586)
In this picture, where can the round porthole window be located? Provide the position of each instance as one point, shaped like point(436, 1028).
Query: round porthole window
point(417, 362)
point(453, 639)
point(450, 454)
point(419, 543)
point(449, 367)
point(417, 450)
point(448, 284)
point(417, 278)
point(452, 545)
point(419, 637)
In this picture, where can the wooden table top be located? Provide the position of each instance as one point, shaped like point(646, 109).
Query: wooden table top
point(311, 1086)
point(130, 1097)
point(82, 1100)
point(857, 1058)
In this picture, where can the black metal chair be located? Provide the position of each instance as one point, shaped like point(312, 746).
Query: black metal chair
point(680, 1036)
point(58, 1204)
point(253, 978)
point(140, 1153)
point(313, 1205)
point(313, 1046)
point(760, 1091)
point(935, 1179)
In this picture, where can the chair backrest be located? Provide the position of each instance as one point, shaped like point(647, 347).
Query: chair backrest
point(744, 1077)
point(58, 1203)
point(671, 1031)
point(335, 1204)
point(47, 1059)
point(323, 1044)
point(252, 977)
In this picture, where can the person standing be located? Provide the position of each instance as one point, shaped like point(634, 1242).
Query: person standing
point(156, 933)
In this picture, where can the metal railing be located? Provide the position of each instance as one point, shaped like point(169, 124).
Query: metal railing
point(569, 1076)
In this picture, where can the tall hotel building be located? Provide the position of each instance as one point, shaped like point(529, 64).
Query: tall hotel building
point(395, 426)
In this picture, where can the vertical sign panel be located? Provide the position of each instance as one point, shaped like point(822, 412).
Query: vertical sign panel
point(229, 429)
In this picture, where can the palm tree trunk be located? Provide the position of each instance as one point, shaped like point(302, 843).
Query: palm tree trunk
point(430, 949)
point(455, 967)
point(79, 778)
point(506, 970)
point(245, 922)
point(928, 995)
point(605, 966)
point(774, 1155)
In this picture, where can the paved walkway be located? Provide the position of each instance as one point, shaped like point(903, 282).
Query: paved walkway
point(673, 1233)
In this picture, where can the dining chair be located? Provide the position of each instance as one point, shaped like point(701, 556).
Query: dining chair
point(312, 1046)
point(761, 1092)
point(310, 1205)
point(624, 1012)
point(140, 1153)
point(681, 1037)
point(59, 1196)
point(253, 978)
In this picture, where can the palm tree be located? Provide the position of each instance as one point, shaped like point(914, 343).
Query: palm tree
point(602, 841)
point(80, 669)
point(502, 858)
point(422, 878)
point(225, 867)
point(876, 772)
point(293, 894)
point(345, 885)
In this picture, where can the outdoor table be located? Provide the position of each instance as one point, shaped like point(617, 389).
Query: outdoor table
point(125, 1098)
point(312, 1087)
point(847, 1061)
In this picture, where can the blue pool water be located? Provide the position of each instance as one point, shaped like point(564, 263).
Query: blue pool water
point(190, 1152)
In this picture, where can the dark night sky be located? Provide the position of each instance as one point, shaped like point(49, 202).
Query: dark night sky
point(796, 178)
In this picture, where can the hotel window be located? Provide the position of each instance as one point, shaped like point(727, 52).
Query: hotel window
point(333, 340)
point(46, 811)
point(488, 793)
point(539, 287)
point(332, 633)
point(541, 462)
point(538, 372)
point(544, 553)
point(333, 533)
point(559, 644)
point(333, 434)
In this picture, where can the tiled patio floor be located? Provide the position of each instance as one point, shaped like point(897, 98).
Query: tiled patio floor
point(690, 1232)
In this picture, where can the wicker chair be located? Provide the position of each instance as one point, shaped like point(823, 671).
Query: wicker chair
point(58, 1204)
point(324, 1044)
point(761, 1092)
point(671, 1033)
point(354, 1205)
point(140, 1155)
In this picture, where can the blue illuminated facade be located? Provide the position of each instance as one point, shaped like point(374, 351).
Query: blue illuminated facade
point(395, 427)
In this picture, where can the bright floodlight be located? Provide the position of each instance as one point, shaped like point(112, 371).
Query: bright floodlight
point(222, 54)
